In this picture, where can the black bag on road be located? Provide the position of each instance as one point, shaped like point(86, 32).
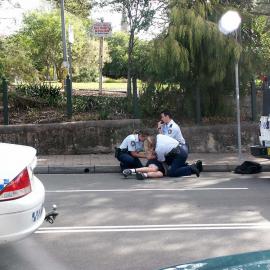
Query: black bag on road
point(248, 167)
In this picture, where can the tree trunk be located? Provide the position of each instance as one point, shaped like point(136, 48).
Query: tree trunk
point(253, 100)
point(48, 77)
point(130, 51)
point(198, 105)
point(135, 98)
point(54, 73)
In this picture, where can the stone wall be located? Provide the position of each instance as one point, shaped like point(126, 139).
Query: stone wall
point(101, 136)
point(71, 137)
point(220, 138)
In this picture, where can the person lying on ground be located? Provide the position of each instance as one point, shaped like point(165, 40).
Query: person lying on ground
point(174, 154)
point(152, 169)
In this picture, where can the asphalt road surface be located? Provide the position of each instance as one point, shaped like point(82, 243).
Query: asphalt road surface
point(106, 222)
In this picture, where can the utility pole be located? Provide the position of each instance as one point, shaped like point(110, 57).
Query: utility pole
point(65, 65)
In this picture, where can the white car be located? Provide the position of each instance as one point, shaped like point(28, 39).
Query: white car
point(21, 193)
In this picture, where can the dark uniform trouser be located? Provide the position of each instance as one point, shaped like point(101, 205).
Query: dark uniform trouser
point(178, 162)
point(128, 161)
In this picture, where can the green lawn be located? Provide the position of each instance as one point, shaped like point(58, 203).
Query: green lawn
point(110, 86)
point(118, 85)
point(95, 86)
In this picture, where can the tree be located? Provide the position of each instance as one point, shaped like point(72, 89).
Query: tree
point(260, 7)
point(42, 36)
point(140, 14)
point(15, 63)
point(192, 51)
point(2, 56)
point(257, 7)
point(116, 66)
point(77, 7)
point(255, 41)
point(85, 60)
point(39, 43)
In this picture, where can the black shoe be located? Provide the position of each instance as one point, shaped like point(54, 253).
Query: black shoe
point(140, 176)
point(199, 165)
point(195, 170)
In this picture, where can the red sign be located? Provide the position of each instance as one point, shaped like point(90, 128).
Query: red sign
point(102, 29)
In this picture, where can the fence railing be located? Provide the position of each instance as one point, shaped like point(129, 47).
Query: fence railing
point(5, 101)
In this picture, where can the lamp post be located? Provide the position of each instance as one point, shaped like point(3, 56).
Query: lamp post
point(229, 23)
point(69, 78)
point(100, 62)
point(67, 82)
point(70, 42)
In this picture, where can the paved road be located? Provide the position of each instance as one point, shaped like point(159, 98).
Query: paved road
point(107, 222)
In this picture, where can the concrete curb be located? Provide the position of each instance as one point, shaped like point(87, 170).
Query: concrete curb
point(115, 169)
point(77, 169)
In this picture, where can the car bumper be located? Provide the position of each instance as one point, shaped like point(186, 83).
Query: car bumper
point(22, 216)
point(260, 151)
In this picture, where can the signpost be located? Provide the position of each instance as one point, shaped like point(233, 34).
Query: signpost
point(101, 30)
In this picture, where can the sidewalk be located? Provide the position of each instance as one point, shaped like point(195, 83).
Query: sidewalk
point(106, 163)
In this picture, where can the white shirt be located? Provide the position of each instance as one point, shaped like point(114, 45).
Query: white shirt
point(132, 143)
point(173, 130)
point(164, 145)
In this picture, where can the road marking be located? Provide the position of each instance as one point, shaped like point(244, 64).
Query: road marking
point(140, 189)
point(167, 227)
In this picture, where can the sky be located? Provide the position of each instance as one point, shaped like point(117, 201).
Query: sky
point(11, 17)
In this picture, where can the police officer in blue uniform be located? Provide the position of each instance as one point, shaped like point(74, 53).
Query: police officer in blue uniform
point(130, 150)
point(168, 150)
point(167, 126)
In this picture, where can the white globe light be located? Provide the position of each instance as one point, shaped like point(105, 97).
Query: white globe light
point(229, 22)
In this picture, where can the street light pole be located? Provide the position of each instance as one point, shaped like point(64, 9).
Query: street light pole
point(238, 104)
point(70, 42)
point(67, 83)
point(229, 23)
point(69, 94)
point(238, 111)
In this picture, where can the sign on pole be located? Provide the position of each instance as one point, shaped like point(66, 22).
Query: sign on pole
point(102, 29)
point(70, 34)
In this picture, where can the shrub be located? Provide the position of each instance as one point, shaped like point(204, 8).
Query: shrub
point(153, 101)
point(45, 91)
point(85, 75)
point(106, 107)
point(110, 80)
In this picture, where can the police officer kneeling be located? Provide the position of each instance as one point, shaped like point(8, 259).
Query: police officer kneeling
point(170, 151)
point(130, 150)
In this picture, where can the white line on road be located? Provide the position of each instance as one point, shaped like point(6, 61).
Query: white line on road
point(140, 189)
point(167, 227)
